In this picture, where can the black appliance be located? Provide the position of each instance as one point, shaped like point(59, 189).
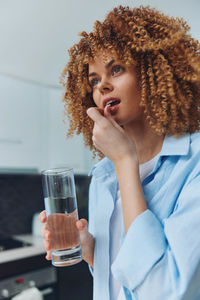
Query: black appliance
point(17, 276)
point(8, 243)
point(44, 279)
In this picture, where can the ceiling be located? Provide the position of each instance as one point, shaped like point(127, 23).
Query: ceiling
point(35, 34)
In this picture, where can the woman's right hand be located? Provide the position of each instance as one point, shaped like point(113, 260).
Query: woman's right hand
point(87, 240)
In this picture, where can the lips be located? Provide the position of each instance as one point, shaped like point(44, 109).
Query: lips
point(111, 102)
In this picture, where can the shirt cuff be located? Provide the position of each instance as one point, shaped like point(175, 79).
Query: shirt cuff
point(142, 248)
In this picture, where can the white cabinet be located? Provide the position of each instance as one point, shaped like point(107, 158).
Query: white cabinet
point(32, 130)
point(22, 127)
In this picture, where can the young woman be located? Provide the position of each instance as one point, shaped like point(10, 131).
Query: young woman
point(132, 90)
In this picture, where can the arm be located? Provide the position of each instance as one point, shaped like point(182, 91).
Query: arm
point(164, 258)
point(133, 202)
point(111, 139)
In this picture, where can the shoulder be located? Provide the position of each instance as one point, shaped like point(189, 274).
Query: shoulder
point(195, 141)
point(192, 161)
point(185, 145)
point(194, 150)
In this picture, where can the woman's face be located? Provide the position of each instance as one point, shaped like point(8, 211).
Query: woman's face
point(116, 85)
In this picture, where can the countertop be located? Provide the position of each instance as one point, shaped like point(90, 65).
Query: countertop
point(35, 249)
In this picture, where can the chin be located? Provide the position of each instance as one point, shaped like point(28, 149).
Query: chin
point(118, 121)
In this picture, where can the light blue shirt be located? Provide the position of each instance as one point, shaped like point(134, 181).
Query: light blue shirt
point(160, 255)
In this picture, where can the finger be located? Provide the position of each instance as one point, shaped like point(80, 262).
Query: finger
point(47, 245)
point(100, 110)
point(95, 132)
point(46, 234)
point(82, 224)
point(48, 256)
point(109, 117)
point(43, 217)
point(95, 115)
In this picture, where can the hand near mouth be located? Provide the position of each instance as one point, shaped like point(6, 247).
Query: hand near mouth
point(109, 137)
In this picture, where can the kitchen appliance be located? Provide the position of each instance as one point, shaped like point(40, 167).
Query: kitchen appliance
point(43, 279)
point(8, 243)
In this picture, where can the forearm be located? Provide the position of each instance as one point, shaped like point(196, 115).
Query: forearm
point(132, 197)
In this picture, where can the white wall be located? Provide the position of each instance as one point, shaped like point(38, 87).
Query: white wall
point(35, 34)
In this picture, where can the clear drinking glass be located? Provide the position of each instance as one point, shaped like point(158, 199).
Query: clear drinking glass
point(62, 213)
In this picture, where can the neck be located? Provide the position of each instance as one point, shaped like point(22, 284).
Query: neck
point(148, 143)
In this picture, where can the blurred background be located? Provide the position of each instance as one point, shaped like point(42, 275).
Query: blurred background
point(34, 38)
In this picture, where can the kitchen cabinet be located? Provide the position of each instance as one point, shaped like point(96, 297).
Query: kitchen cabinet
point(22, 119)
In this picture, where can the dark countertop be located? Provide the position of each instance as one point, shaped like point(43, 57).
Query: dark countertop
point(35, 249)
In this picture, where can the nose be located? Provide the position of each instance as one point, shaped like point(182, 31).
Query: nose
point(105, 86)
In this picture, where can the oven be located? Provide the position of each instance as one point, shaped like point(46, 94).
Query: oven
point(44, 280)
point(23, 274)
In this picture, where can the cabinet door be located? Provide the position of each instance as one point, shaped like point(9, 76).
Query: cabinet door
point(65, 151)
point(21, 123)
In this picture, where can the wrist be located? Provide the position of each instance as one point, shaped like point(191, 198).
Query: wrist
point(88, 249)
point(126, 163)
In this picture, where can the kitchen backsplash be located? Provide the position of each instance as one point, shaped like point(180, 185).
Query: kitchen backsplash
point(21, 196)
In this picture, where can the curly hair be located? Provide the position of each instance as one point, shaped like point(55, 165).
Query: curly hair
point(168, 63)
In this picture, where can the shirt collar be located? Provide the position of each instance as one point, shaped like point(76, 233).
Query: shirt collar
point(176, 146)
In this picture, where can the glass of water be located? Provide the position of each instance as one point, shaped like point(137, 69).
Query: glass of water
point(62, 214)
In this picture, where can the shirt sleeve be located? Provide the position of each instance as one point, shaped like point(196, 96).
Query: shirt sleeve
point(91, 213)
point(164, 257)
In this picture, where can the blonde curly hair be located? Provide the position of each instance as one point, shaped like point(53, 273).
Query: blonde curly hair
point(168, 64)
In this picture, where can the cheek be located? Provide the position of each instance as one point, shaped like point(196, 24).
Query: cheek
point(133, 91)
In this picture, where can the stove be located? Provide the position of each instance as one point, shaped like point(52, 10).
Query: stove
point(8, 243)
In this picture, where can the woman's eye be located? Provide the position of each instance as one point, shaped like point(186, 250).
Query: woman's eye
point(116, 69)
point(94, 82)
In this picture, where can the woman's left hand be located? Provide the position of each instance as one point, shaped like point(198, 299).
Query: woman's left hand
point(109, 137)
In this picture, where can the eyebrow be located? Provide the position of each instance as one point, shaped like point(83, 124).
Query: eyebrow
point(106, 66)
